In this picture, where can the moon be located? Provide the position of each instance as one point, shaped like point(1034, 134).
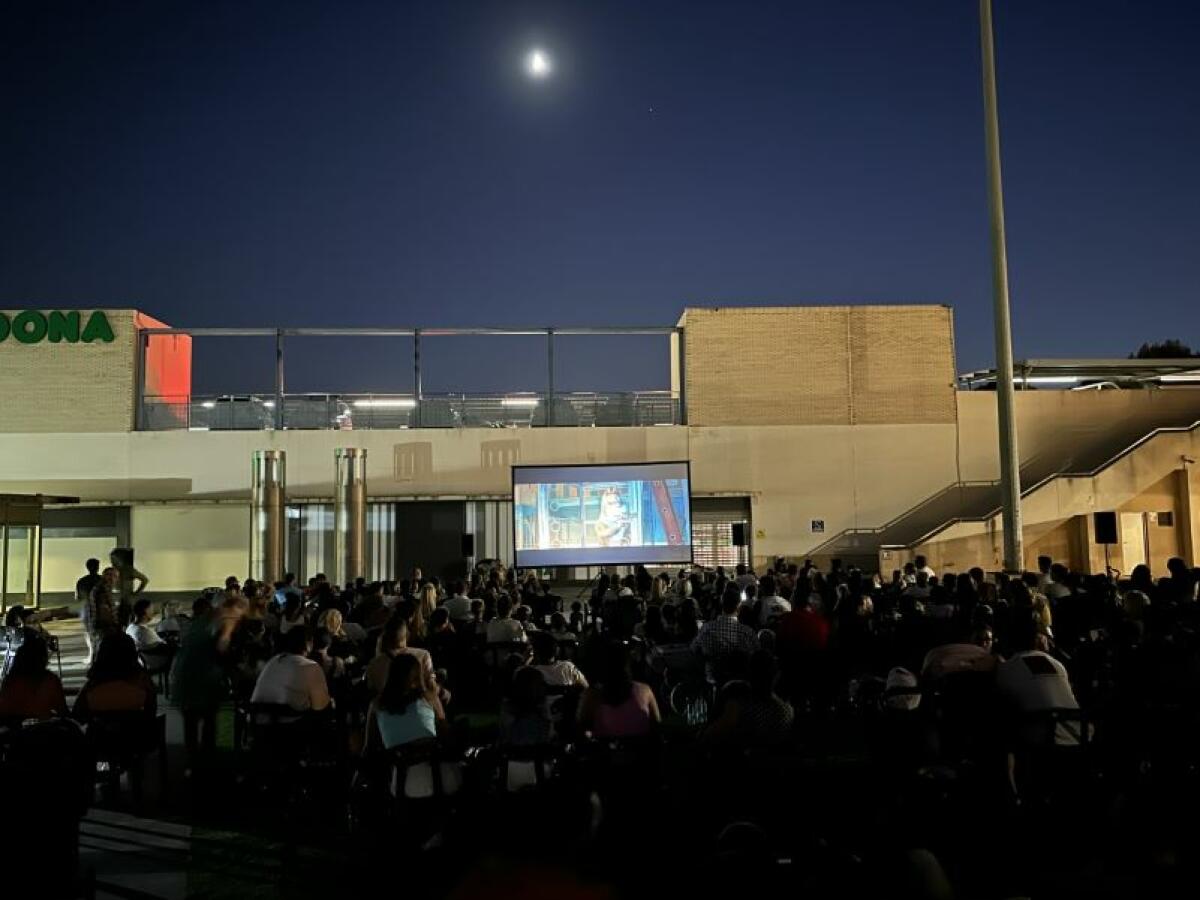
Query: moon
point(538, 64)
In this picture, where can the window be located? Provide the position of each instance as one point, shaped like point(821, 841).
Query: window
point(310, 541)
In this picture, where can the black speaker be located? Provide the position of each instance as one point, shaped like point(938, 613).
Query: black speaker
point(739, 534)
point(468, 545)
point(1105, 524)
point(122, 556)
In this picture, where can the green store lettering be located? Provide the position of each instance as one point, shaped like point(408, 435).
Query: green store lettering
point(32, 326)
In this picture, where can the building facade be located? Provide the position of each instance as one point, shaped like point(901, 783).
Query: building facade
point(834, 431)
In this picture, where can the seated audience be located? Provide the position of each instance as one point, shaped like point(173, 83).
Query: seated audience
point(504, 629)
point(144, 637)
point(971, 653)
point(290, 678)
point(293, 614)
point(442, 641)
point(458, 604)
point(524, 715)
point(1033, 681)
point(619, 707)
point(772, 606)
point(725, 643)
point(333, 667)
point(408, 709)
point(392, 643)
point(751, 712)
point(31, 690)
point(116, 681)
point(556, 672)
point(559, 629)
point(1031, 678)
point(340, 645)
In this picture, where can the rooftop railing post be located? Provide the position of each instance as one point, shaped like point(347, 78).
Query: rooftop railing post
point(681, 345)
point(417, 377)
point(549, 377)
point(279, 379)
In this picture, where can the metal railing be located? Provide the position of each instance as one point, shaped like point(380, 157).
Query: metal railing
point(929, 518)
point(258, 412)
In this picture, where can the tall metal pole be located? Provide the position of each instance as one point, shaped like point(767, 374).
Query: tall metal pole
point(1010, 459)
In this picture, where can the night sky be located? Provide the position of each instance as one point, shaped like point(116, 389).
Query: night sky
point(385, 163)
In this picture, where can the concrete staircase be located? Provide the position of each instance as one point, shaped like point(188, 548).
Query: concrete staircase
point(979, 502)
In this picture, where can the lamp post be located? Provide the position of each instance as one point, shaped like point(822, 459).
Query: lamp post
point(1010, 459)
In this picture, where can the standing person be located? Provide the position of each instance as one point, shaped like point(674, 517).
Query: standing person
point(99, 610)
point(198, 679)
point(126, 576)
point(87, 612)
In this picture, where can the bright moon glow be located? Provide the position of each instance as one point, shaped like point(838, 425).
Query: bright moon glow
point(538, 63)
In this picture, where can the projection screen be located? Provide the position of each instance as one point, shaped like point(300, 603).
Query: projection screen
point(589, 515)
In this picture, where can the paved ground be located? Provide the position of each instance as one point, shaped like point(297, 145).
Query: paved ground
point(154, 850)
point(72, 653)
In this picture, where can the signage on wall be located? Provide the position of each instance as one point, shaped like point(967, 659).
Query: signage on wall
point(818, 526)
point(32, 326)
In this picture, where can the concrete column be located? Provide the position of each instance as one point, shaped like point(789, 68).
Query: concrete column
point(268, 515)
point(1188, 490)
point(350, 514)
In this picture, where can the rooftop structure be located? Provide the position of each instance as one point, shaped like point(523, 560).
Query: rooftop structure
point(1090, 374)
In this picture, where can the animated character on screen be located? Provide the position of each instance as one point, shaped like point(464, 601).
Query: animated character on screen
point(612, 526)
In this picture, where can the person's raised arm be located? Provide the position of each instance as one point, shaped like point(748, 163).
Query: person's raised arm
point(142, 581)
point(226, 626)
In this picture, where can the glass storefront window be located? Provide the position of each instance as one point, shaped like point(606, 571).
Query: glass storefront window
point(19, 546)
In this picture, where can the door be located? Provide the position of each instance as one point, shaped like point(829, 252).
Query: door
point(1133, 541)
point(429, 536)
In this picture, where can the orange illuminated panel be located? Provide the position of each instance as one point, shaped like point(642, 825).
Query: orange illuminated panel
point(167, 372)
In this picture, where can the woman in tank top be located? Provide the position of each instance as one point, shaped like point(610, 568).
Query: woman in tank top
point(619, 707)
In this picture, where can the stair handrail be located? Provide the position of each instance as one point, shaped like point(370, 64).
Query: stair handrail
point(1111, 461)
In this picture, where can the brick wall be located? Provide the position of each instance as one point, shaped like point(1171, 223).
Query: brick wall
point(820, 365)
point(70, 387)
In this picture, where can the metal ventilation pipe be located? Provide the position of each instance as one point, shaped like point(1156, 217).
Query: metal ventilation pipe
point(268, 515)
point(350, 514)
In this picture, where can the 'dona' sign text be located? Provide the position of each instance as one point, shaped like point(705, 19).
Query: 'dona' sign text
point(32, 326)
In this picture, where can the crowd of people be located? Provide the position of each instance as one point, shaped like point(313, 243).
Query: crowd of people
point(966, 670)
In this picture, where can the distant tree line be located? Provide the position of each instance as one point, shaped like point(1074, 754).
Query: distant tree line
point(1168, 349)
